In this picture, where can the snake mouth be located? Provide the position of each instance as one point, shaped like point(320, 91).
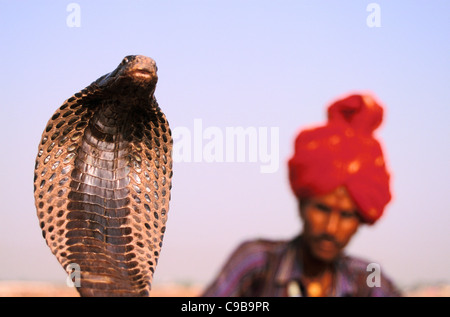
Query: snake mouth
point(143, 73)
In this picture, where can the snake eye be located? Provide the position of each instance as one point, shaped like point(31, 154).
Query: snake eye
point(125, 60)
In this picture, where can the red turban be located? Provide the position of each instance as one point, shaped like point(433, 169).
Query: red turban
point(344, 152)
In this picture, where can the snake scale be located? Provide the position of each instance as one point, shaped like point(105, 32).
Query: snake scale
point(102, 181)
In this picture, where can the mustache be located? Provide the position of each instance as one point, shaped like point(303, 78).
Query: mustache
point(327, 237)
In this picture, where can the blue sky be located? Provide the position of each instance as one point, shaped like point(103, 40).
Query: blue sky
point(239, 64)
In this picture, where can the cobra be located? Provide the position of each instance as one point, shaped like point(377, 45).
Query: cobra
point(102, 181)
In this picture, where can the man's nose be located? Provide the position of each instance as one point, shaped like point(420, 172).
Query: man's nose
point(332, 222)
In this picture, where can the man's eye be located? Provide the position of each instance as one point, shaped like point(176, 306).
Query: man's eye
point(323, 207)
point(348, 215)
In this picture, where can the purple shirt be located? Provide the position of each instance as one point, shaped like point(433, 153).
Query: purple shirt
point(271, 269)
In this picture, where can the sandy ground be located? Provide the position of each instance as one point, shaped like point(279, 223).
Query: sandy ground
point(43, 289)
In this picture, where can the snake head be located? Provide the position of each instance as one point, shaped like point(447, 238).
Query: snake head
point(135, 75)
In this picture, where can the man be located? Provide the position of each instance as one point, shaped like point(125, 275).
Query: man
point(339, 176)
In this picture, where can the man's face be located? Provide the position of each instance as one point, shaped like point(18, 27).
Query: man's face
point(329, 222)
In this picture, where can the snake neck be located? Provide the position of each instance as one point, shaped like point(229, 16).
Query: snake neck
point(102, 181)
point(100, 192)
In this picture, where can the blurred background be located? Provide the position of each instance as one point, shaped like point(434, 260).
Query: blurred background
point(251, 64)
